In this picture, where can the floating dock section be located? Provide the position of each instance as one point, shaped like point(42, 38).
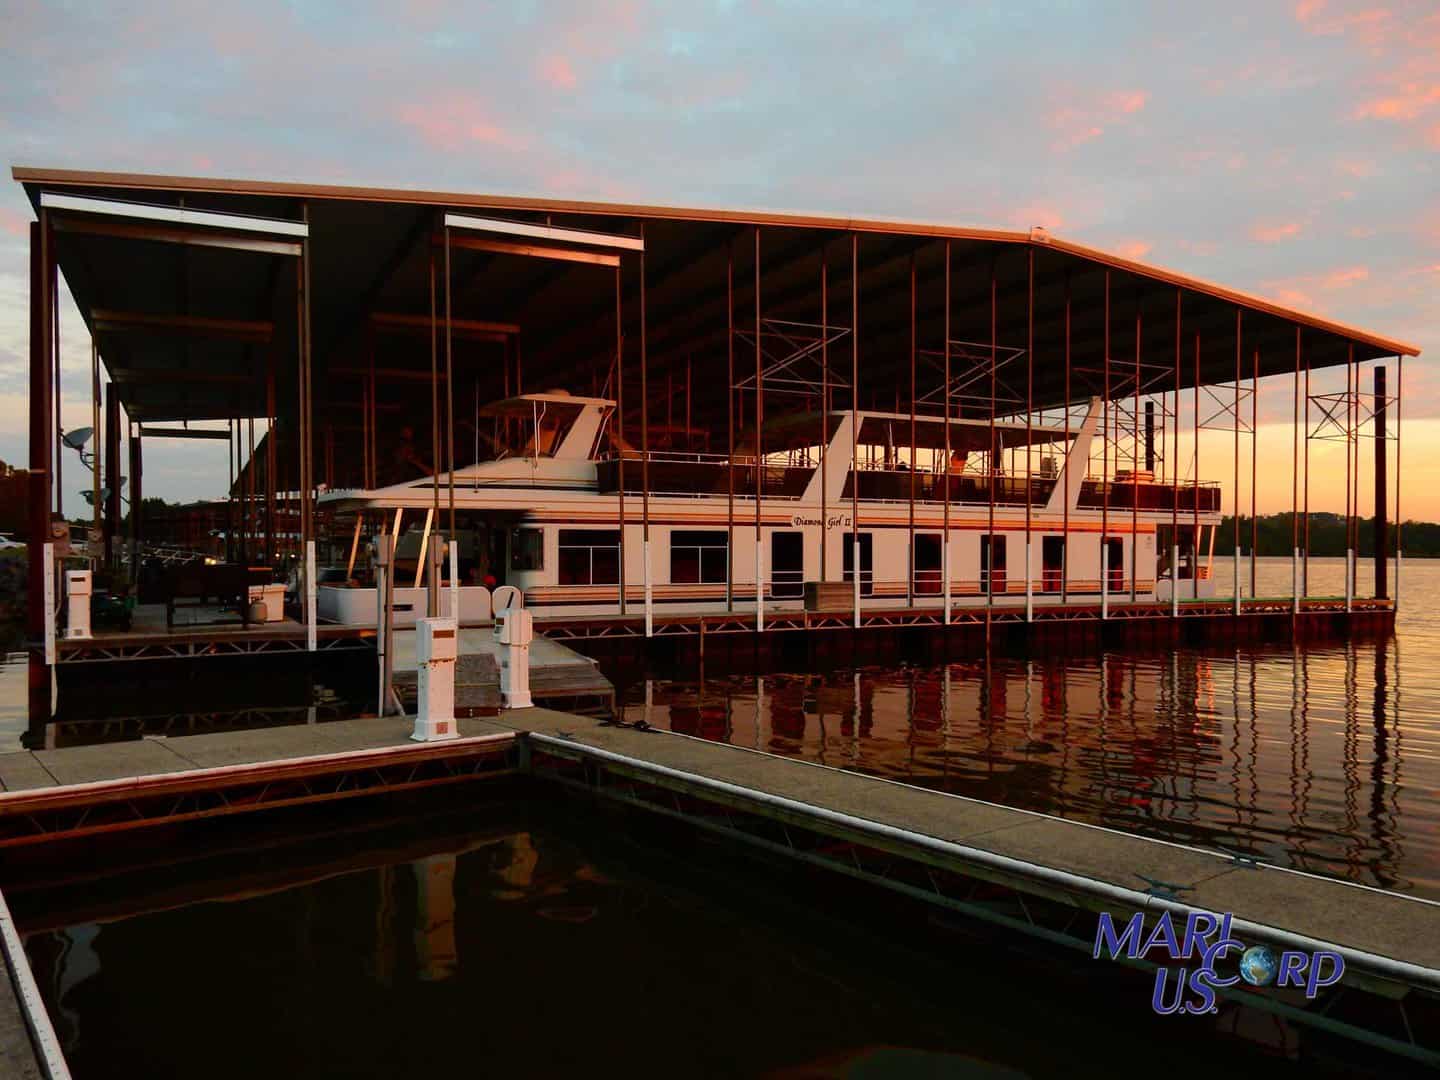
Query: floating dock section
point(1029, 873)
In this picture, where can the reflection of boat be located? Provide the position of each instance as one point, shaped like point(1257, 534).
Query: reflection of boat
point(544, 514)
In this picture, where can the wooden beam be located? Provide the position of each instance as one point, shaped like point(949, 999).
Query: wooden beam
point(172, 375)
point(181, 433)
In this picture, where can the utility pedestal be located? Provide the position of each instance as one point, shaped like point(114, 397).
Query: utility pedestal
point(435, 654)
point(517, 629)
point(77, 590)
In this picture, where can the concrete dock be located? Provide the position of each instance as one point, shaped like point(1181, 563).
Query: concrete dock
point(1025, 871)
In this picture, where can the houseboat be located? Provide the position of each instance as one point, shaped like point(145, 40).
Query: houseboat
point(544, 513)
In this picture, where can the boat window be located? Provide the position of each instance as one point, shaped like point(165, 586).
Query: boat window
point(589, 557)
point(527, 549)
point(536, 431)
point(699, 556)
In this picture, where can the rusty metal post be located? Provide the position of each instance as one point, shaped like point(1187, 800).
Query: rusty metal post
point(1135, 459)
point(1105, 466)
point(38, 501)
point(759, 452)
point(1195, 540)
point(945, 397)
point(96, 456)
point(992, 457)
point(1175, 468)
point(450, 402)
point(1382, 529)
point(1235, 553)
point(1069, 464)
point(1029, 434)
point(1295, 435)
point(730, 393)
point(111, 519)
point(855, 562)
point(619, 424)
point(1399, 521)
point(1350, 395)
point(824, 406)
point(1305, 435)
point(644, 453)
point(1254, 466)
point(910, 561)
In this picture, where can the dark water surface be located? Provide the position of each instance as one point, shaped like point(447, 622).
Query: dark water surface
point(535, 939)
point(1323, 757)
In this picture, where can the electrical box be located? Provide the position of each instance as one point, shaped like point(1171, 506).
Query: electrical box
point(436, 650)
point(78, 588)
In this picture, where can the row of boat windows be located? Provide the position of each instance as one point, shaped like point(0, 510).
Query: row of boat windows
point(702, 556)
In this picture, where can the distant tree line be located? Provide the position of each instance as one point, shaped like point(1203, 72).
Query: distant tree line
point(1327, 536)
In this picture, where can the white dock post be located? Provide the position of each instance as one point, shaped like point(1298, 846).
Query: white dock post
point(77, 592)
point(649, 594)
point(517, 629)
point(435, 654)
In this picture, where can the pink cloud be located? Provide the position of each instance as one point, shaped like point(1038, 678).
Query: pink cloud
point(555, 71)
point(1344, 277)
point(1408, 103)
point(453, 124)
point(1357, 167)
point(1305, 10)
point(1273, 233)
point(13, 223)
point(1077, 122)
point(1133, 249)
point(1033, 214)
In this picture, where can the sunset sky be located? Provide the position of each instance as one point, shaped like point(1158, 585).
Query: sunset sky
point(1288, 149)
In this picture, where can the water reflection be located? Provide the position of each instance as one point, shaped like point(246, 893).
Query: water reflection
point(1304, 755)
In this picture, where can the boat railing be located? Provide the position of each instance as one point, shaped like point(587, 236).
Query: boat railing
point(700, 476)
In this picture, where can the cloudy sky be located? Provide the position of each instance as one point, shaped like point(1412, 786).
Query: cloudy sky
point(1286, 148)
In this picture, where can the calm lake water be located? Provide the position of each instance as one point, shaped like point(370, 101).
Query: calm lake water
point(1322, 757)
point(551, 940)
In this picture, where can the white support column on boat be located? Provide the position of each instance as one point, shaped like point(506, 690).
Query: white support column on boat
point(1349, 578)
point(383, 547)
point(1029, 585)
point(649, 592)
point(49, 600)
point(1295, 581)
point(310, 594)
point(1104, 579)
point(759, 584)
point(1175, 579)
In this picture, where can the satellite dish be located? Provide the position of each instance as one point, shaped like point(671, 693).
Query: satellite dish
point(77, 438)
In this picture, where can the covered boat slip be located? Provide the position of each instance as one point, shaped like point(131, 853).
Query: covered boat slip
point(349, 339)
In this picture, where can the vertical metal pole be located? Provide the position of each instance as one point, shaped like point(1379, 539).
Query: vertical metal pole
point(730, 393)
point(58, 461)
point(111, 519)
point(1195, 541)
point(450, 405)
point(1295, 434)
point(307, 530)
point(1349, 439)
point(38, 493)
point(1254, 466)
point(1305, 435)
point(855, 420)
point(759, 453)
point(272, 437)
point(1070, 464)
point(1135, 459)
point(1029, 434)
point(910, 575)
point(1235, 554)
point(1399, 521)
point(433, 586)
point(644, 453)
point(1105, 466)
point(1175, 468)
point(96, 455)
point(945, 397)
point(620, 443)
point(1382, 529)
point(824, 407)
point(992, 458)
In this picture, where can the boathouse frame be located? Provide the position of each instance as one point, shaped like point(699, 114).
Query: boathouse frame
point(557, 291)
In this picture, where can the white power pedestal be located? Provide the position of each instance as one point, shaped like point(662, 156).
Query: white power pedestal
point(78, 587)
point(436, 649)
point(517, 630)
